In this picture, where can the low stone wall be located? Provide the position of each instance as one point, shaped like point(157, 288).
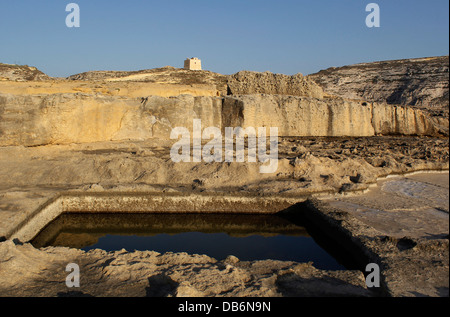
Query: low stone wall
point(147, 203)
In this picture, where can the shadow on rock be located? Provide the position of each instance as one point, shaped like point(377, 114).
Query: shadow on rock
point(73, 294)
point(292, 285)
point(160, 286)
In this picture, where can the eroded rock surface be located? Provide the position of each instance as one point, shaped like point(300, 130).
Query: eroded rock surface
point(306, 166)
point(411, 267)
point(304, 116)
point(249, 83)
point(421, 82)
point(153, 274)
point(32, 120)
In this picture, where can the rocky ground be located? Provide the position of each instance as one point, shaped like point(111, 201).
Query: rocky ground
point(152, 274)
point(410, 266)
point(307, 165)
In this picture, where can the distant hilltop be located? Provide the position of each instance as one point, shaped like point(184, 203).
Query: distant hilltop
point(163, 75)
point(421, 82)
point(21, 73)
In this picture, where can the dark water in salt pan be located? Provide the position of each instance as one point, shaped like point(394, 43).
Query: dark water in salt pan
point(248, 237)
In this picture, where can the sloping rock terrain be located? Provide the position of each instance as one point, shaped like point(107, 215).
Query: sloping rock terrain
point(422, 82)
point(21, 73)
point(164, 75)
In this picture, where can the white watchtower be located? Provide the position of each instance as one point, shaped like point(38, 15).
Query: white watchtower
point(193, 64)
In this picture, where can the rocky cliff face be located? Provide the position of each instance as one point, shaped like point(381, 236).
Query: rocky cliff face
point(241, 83)
point(335, 117)
point(120, 106)
point(81, 118)
point(247, 83)
point(420, 82)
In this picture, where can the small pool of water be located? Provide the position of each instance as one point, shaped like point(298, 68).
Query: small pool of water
point(248, 237)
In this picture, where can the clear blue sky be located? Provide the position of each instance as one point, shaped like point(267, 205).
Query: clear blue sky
point(283, 36)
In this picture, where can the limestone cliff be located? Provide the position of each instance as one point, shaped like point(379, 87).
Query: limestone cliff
point(120, 106)
point(81, 118)
point(420, 82)
point(305, 116)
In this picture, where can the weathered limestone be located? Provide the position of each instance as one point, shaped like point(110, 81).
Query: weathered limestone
point(421, 82)
point(387, 119)
point(151, 274)
point(110, 88)
point(408, 266)
point(81, 118)
point(302, 116)
point(247, 83)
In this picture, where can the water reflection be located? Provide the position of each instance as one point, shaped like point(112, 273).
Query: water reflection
point(249, 237)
